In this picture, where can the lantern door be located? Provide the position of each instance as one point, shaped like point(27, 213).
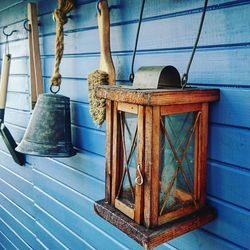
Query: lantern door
point(178, 161)
point(128, 166)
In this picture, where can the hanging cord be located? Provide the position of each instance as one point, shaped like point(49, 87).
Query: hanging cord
point(132, 74)
point(185, 75)
point(60, 15)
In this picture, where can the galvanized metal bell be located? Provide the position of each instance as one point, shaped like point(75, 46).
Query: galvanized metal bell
point(49, 130)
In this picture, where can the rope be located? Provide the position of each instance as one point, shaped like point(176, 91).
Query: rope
point(60, 15)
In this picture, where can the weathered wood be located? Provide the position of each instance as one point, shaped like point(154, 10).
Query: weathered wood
point(139, 189)
point(130, 108)
point(144, 210)
point(157, 96)
point(115, 173)
point(106, 62)
point(148, 165)
point(36, 82)
point(203, 138)
point(150, 238)
point(182, 211)
point(179, 108)
point(109, 148)
point(130, 212)
point(155, 167)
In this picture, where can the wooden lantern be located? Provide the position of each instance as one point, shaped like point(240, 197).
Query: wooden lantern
point(156, 151)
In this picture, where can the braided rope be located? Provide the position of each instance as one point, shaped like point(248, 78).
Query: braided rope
point(60, 14)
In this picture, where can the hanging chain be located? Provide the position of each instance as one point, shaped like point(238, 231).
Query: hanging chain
point(185, 75)
point(132, 74)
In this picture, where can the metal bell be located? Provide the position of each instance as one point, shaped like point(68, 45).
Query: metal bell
point(49, 130)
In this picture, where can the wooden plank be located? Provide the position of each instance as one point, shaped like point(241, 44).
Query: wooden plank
point(27, 236)
point(13, 236)
point(233, 107)
point(158, 96)
point(116, 154)
point(80, 116)
point(155, 167)
point(176, 109)
point(170, 216)
point(82, 183)
point(73, 231)
point(139, 189)
point(77, 203)
point(16, 211)
point(109, 150)
point(200, 238)
point(150, 238)
point(202, 154)
point(148, 165)
point(17, 197)
point(125, 209)
point(5, 243)
point(130, 108)
point(36, 82)
point(88, 139)
point(232, 181)
point(63, 234)
point(230, 145)
point(229, 216)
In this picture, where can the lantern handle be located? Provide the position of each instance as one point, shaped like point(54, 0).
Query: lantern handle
point(139, 179)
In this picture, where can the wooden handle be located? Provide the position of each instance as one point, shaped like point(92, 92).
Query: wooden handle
point(36, 82)
point(4, 80)
point(106, 62)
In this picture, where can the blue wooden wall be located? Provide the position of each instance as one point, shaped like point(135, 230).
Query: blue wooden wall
point(48, 203)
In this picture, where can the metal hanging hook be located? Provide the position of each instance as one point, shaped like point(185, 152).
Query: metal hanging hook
point(25, 25)
point(28, 28)
point(97, 7)
point(10, 34)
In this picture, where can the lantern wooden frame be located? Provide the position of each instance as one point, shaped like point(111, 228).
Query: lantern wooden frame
point(150, 106)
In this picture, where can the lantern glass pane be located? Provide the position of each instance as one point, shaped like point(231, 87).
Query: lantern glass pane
point(128, 169)
point(177, 154)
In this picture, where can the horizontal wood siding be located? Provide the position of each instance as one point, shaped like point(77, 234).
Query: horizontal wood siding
point(48, 203)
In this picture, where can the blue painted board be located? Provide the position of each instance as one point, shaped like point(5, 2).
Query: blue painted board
point(47, 238)
point(23, 217)
point(230, 145)
point(17, 197)
point(13, 237)
point(17, 181)
point(78, 203)
point(88, 163)
point(6, 160)
point(61, 232)
point(229, 183)
point(26, 235)
point(233, 108)
point(232, 223)
point(202, 240)
point(5, 243)
point(78, 181)
point(75, 226)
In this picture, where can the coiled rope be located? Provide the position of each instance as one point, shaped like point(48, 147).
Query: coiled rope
point(60, 15)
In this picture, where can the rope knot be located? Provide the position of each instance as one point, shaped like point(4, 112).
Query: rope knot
point(60, 16)
point(56, 79)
